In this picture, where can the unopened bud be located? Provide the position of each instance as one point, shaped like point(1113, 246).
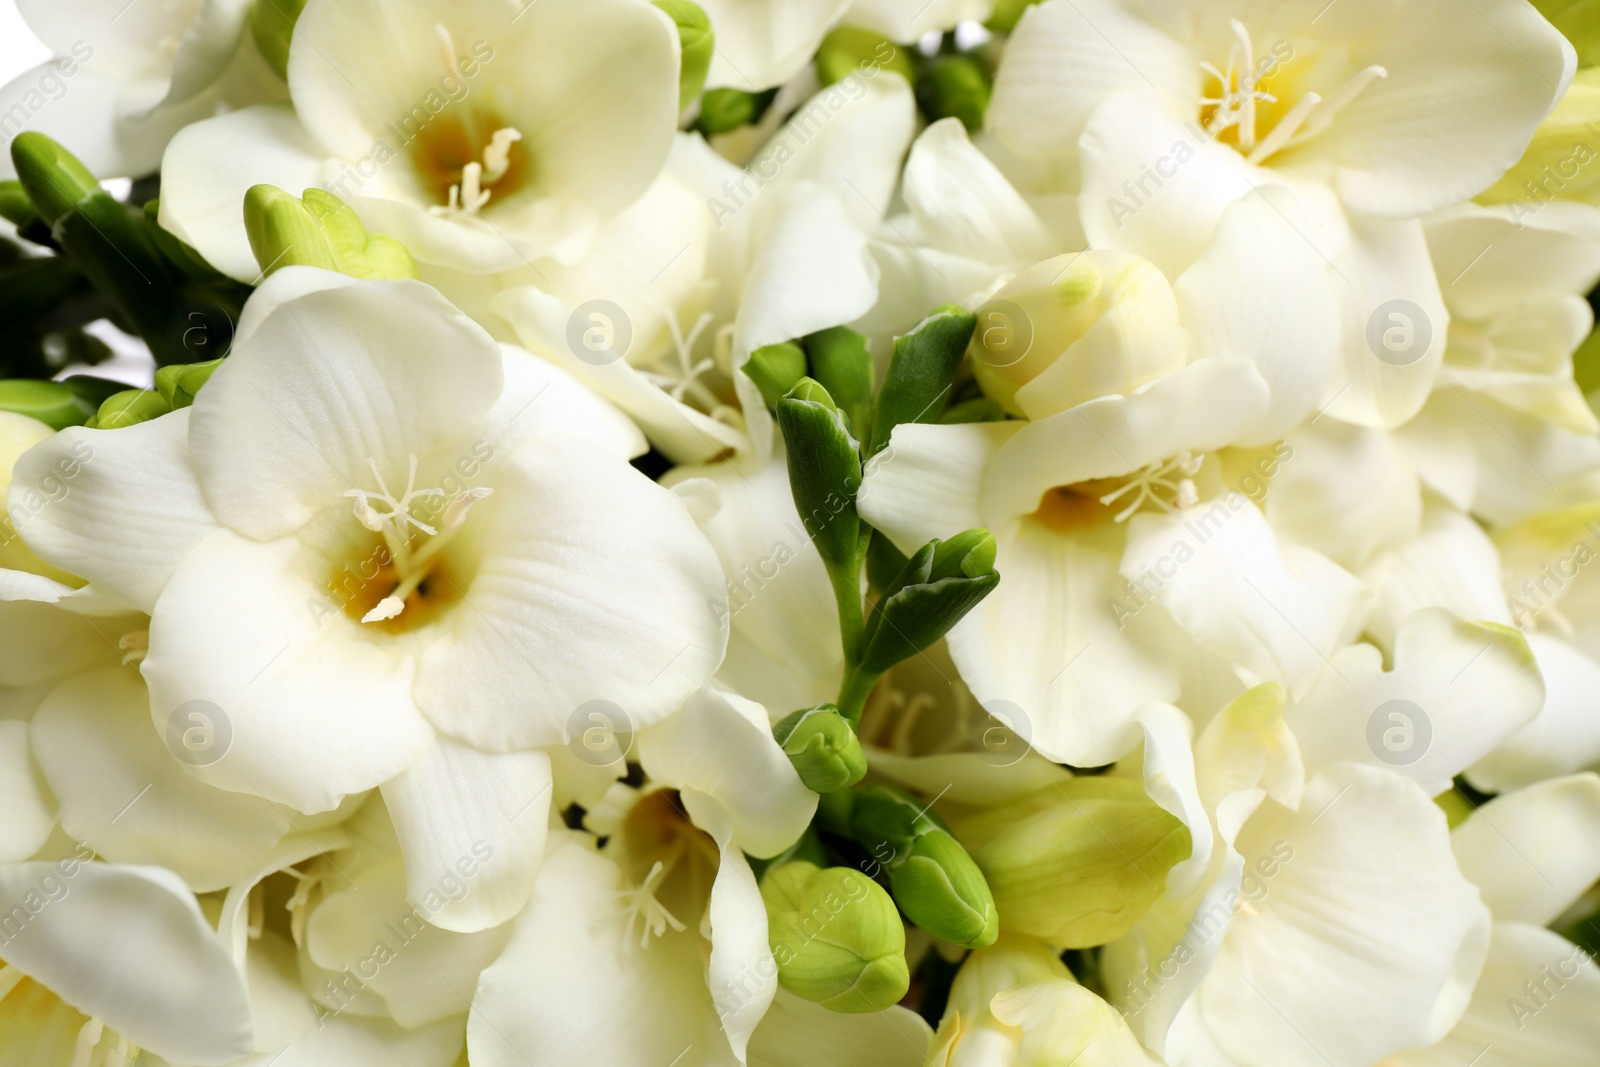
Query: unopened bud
point(54, 179)
point(942, 890)
point(775, 369)
point(1074, 328)
point(954, 87)
point(836, 937)
point(179, 383)
point(1559, 161)
point(823, 748)
point(318, 231)
point(129, 408)
point(970, 554)
point(272, 25)
point(696, 43)
point(1086, 865)
point(848, 50)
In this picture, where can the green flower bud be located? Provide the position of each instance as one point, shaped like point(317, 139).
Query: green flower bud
point(54, 179)
point(1087, 325)
point(696, 43)
point(836, 937)
point(823, 748)
point(954, 87)
point(722, 110)
point(920, 371)
point(272, 26)
point(935, 882)
point(840, 361)
point(52, 403)
point(848, 49)
point(1560, 160)
point(130, 407)
point(824, 474)
point(978, 409)
point(775, 369)
point(1082, 867)
point(15, 207)
point(319, 230)
point(933, 592)
point(942, 890)
point(970, 554)
point(179, 383)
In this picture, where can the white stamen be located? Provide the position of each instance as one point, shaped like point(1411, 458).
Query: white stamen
point(1247, 108)
point(387, 608)
point(497, 157)
point(469, 196)
point(88, 1038)
point(134, 646)
point(447, 49)
point(1286, 128)
point(1149, 483)
point(1322, 117)
point(643, 906)
point(456, 513)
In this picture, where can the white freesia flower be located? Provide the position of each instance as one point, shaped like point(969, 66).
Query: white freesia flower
point(413, 545)
point(764, 43)
point(665, 924)
point(1165, 115)
point(481, 135)
point(123, 82)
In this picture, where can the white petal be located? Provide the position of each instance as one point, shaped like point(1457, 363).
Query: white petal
point(741, 967)
point(1076, 681)
point(1394, 324)
point(783, 642)
point(594, 584)
point(1167, 766)
point(1449, 120)
point(1450, 563)
point(963, 204)
point(1361, 964)
point(1492, 258)
point(123, 791)
point(762, 45)
point(457, 809)
point(719, 749)
point(540, 397)
point(1537, 1002)
point(367, 928)
point(799, 1033)
point(1345, 491)
point(46, 641)
point(1457, 689)
point(307, 707)
point(327, 384)
point(1261, 291)
point(1533, 852)
point(233, 924)
point(24, 796)
point(210, 165)
point(1276, 611)
point(1566, 735)
point(1065, 57)
point(928, 482)
point(209, 44)
point(1201, 407)
point(572, 970)
point(122, 506)
point(850, 139)
point(129, 946)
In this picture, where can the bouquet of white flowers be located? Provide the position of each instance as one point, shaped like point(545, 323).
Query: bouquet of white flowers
point(801, 533)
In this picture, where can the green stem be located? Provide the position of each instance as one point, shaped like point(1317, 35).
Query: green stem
point(853, 692)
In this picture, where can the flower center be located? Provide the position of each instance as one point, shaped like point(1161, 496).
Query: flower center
point(643, 908)
point(404, 566)
point(1166, 485)
point(1259, 122)
point(464, 151)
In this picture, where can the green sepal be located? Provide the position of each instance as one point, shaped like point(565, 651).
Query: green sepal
point(775, 369)
point(839, 359)
point(920, 372)
point(936, 588)
point(823, 748)
point(54, 179)
point(836, 937)
point(824, 474)
point(696, 44)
